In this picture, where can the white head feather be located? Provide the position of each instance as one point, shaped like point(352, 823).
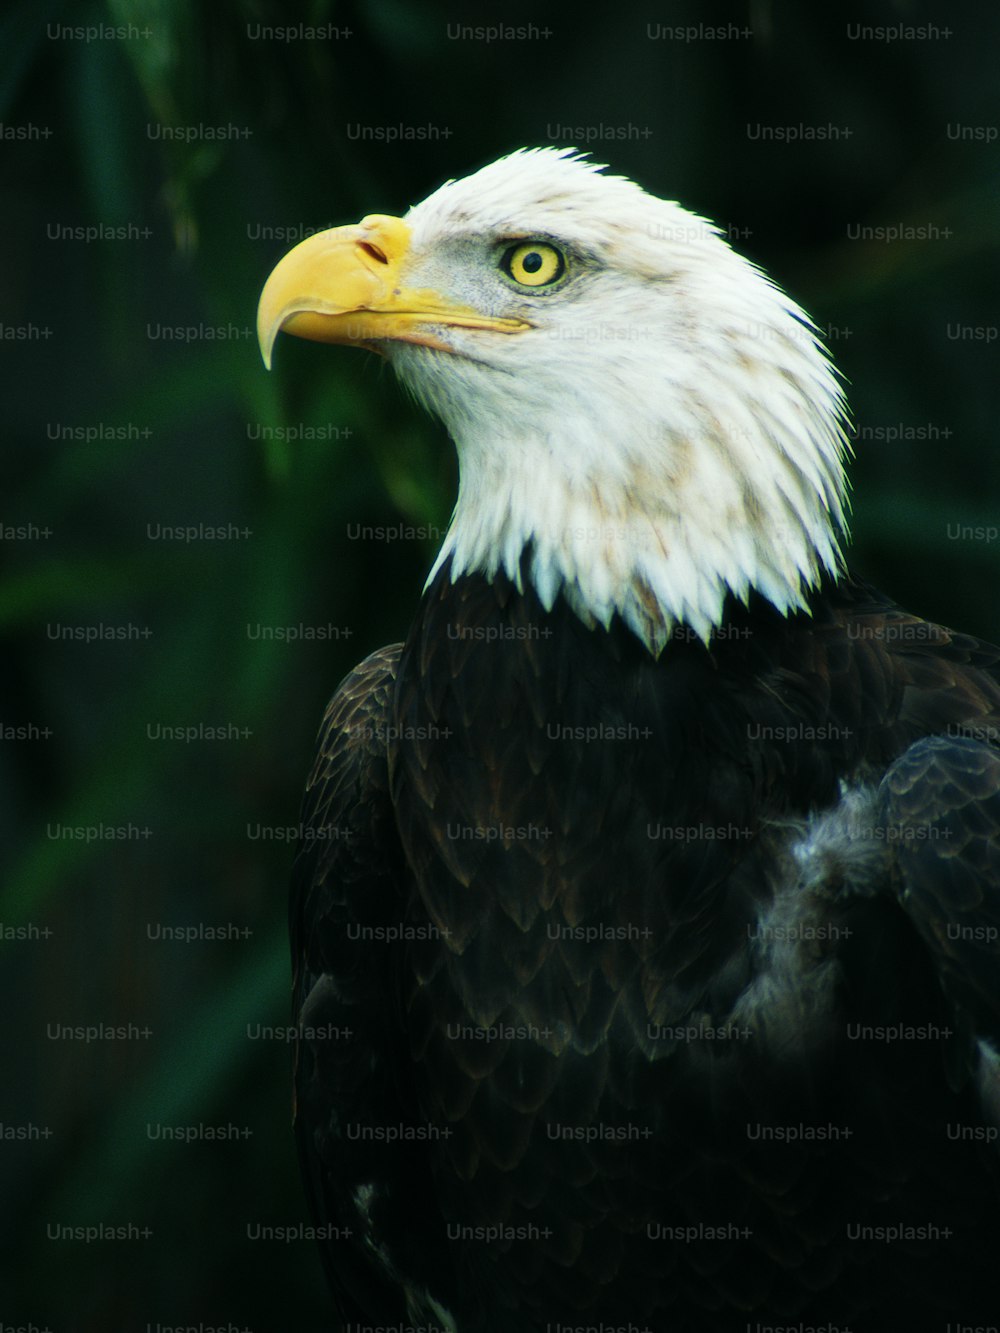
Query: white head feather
point(668, 432)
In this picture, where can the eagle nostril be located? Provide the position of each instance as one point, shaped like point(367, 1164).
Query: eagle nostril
point(370, 248)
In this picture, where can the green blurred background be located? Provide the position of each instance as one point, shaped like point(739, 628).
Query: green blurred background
point(113, 430)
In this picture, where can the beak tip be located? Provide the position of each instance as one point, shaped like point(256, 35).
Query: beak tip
point(267, 333)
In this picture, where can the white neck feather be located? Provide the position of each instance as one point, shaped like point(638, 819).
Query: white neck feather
point(656, 515)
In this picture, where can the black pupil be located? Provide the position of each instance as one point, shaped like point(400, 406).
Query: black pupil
point(532, 262)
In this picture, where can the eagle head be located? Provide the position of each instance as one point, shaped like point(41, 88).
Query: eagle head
point(645, 423)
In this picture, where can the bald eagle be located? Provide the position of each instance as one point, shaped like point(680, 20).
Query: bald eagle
point(645, 924)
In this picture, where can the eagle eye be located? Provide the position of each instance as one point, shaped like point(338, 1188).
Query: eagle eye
point(533, 263)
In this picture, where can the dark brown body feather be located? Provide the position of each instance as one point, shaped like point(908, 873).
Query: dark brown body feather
point(588, 975)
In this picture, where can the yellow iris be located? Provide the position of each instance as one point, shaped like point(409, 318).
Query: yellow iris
point(534, 264)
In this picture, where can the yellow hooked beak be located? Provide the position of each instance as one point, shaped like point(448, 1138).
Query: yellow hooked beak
point(346, 286)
